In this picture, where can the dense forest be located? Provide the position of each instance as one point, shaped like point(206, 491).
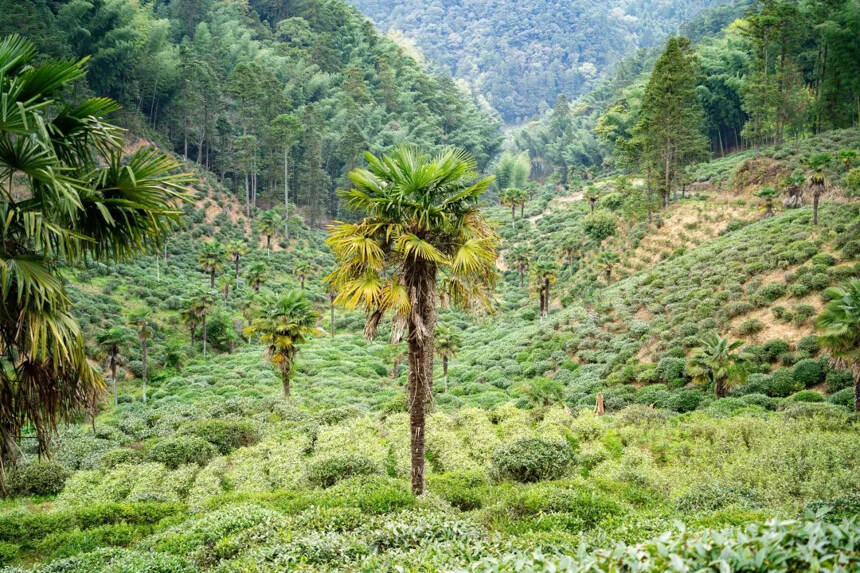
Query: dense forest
point(251, 91)
point(521, 55)
point(787, 70)
point(278, 297)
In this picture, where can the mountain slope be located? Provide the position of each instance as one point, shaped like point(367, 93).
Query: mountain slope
point(521, 55)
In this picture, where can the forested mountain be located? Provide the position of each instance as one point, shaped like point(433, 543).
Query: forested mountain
point(748, 96)
point(235, 85)
point(522, 55)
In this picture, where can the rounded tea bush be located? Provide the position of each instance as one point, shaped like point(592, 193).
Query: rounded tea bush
point(327, 472)
point(532, 459)
point(808, 372)
point(225, 435)
point(175, 452)
point(43, 477)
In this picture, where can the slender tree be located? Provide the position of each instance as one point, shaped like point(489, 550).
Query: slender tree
point(145, 328)
point(606, 261)
point(202, 306)
point(258, 274)
point(283, 324)
point(448, 342)
point(716, 362)
point(112, 342)
point(422, 215)
point(817, 182)
point(235, 251)
point(269, 224)
point(210, 259)
point(768, 194)
point(839, 325)
point(303, 269)
point(545, 274)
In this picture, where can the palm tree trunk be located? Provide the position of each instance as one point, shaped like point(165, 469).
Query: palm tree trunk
point(212, 279)
point(236, 259)
point(205, 337)
point(815, 197)
point(285, 380)
point(856, 392)
point(422, 325)
point(331, 318)
point(113, 379)
point(144, 356)
point(268, 244)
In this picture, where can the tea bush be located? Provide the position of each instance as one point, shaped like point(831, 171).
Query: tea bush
point(531, 460)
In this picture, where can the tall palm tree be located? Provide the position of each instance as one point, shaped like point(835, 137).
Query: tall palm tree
point(224, 284)
point(66, 193)
point(269, 224)
point(508, 198)
point(520, 263)
point(112, 342)
point(284, 324)
point(235, 251)
point(211, 258)
point(422, 217)
point(817, 182)
point(189, 317)
point(606, 261)
point(592, 195)
point(839, 324)
point(303, 269)
point(145, 328)
point(521, 196)
point(545, 274)
point(716, 362)
point(257, 275)
point(202, 305)
point(448, 342)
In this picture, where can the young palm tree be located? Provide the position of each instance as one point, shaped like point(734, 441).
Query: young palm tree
point(817, 183)
point(716, 362)
point(545, 274)
point(768, 194)
point(224, 284)
point(269, 224)
point(112, 342)
point(202, 306)
point(284, 324)
point(75, 197)
point(448, 342)
point(522, 196)
point(422, 217)
point(592, 195)
point(257, 275)
point(508, 198)
point(303, 269)
point(190, 319)
point(847, 157)
point(235, 251)
point(520, 263)
point(839, 324)
point(606, 261)
point(210, 258)
point(145, 328)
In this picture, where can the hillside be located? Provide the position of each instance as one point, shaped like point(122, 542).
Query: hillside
point(521, 55)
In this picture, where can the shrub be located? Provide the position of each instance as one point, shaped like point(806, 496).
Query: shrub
point(757, 399)
point(768, 293)
point(225, 435)
point(711, 496)
point(136, 368)
point(43, 477)
point(112, 458)
point(461, 490)
point(327, 472)
point(174, 452)
point(802, 313)
point(531, 460)
point(748, 327)
point(809, 344)
point(599, 225)
point(782, 384)
point(838, 379)
point(772, 349)
point(808, 372)
point(737, 308)
point(670, 368)
point(799, 290)
point(806, 396)
point(844, 397)
point(686, 400)
point(8, 553)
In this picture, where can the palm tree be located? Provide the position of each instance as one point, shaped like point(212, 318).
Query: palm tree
point(847, 157)
point(422, 217)
point(210, 259)
point(202, 305)
point(520, 263)
point(303, 269)
point(592, 195)
point(522, 196)
point(768, 194)
point(257, 275)
point(508, 197)
point(332, 295)
point(224, 284)
point(284, 324)
point(269, 223)
point(606, 261)
point(145, 328)
point(112, 342)
point(817, 183)
point(716, 362)
point(839, 324)
point(66, 192)
point(545, 273)
point(190, 318)
point(448, 342)
point(235, 251)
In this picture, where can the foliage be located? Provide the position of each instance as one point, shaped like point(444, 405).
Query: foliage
point(532, 460)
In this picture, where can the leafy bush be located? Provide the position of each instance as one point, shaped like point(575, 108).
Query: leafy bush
point(327, 472)
point(531, 460)
point(782, 384)
point(809, 344)
point(806, 396)
point(225, 435)
point(748, 327)
point(43, 477)
point(808, 373)
point(686, 400)
point(462, 490)
point(599, 225)
point(712, 496)
point(838, 379)
point(844, 397)
point(772, 349)
point(669, 368)
point(181, 450)
point(113, 458)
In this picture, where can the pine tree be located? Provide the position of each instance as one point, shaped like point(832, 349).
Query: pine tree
point(670, 131)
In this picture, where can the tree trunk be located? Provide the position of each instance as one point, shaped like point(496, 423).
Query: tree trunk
point(608, 275)
point(144, 351)
point(719, 389)
point(236, 260)
point(285, 380)
point(113, 379)
point(205, 336)
point(268, 244)
point(513, 211)
point(286, 196)
point(815, 197)
point(212, 279)
point(331, 319)
point(856, 393)
point(421, 283)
